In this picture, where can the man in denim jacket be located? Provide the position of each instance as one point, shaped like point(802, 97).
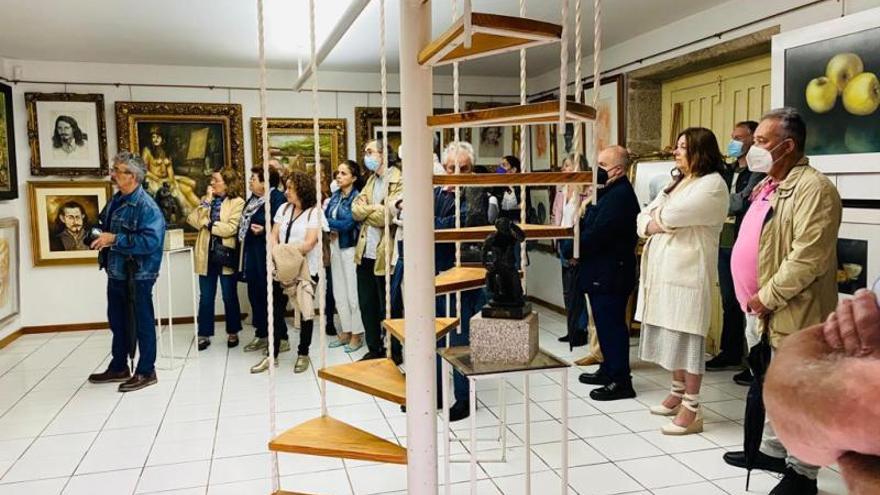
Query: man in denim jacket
point(130, 247)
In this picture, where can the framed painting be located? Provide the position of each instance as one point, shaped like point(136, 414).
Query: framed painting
point(67, 134)
point(539, 208)
point(292, 142)
point(62, 213)
point(10, 295)
point(491, 143)
point(829, 72)
point(858, 250)
point(182, 144)
point(649, 177)
point(8, 171)
point(609, 115)
point(368, 126)
point(542, 148)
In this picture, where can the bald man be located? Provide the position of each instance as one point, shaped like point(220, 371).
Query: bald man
point(607, 271)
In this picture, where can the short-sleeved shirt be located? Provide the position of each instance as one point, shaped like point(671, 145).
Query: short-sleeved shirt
point(295, 229)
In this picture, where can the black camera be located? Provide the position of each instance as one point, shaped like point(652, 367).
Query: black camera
point(92, 235)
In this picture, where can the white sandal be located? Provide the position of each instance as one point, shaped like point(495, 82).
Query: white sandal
point(677, 391)
point(691, 403)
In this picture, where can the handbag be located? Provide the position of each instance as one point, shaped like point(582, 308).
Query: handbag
point(219, 254)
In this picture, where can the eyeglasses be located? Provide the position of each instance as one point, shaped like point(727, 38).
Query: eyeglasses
point(118, 171)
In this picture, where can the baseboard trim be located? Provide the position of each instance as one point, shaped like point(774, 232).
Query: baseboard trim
point(548, 305)
point(93, 325)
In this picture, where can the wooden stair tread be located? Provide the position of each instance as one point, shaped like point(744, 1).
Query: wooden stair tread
point(377, 377)
point(491, 34)
point(532, 231)
point(328, 437)
point(545, 112)
point(523, 179)
point(459, 278)
point(397, 327)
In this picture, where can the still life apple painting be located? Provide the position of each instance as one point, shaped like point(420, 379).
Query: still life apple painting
point(834, 83)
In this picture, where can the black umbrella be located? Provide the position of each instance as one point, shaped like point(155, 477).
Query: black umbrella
point(131, 323)
point(759, 361)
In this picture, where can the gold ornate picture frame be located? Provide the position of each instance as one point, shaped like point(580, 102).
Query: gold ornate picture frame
point(181, 145)
point(61, 213)
point(67, 134)
point(8, 170)
point(291, 141)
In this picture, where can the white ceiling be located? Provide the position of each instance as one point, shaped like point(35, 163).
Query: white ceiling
point(223, 33)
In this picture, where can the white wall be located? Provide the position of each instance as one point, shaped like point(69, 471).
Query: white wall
point(76, 294)
point(545, 274)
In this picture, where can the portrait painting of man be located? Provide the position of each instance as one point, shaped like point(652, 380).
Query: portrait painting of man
point(62, 214)
point(67, 134)
point(71, 227)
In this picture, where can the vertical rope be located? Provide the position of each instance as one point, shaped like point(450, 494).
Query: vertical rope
point(316, 135)
point(597, 83)
point(389, 242)
point(563, 66)
point(578, 126)
point(456, 107)
point(523, 131)
point(273, 458)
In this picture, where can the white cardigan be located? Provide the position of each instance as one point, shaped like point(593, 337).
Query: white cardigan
point(680, 266)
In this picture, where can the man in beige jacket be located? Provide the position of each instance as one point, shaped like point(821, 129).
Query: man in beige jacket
point(368, 208)
point(794, 240)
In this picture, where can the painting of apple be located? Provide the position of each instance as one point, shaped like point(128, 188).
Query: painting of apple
point(862, 94)
point(821, 95)
point(834, 85)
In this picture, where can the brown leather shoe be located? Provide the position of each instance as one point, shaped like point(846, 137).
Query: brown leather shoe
point(110, 376)
point(588, 360)
point(138, 382)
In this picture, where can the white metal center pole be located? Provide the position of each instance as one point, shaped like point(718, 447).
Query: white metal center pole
point(416, 90)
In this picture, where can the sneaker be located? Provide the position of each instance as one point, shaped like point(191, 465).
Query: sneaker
point(256, 344)
point(285, 346)
point(795, 484)
point(721, 362)
point(138, 382)
point(745, 378)
point(110, 376)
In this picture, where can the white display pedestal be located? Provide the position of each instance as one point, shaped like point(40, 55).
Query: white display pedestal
point(172, 359)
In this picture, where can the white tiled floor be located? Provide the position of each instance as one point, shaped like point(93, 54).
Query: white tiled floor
point(203, 429)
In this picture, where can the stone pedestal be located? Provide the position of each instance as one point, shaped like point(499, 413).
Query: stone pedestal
point(495, 340)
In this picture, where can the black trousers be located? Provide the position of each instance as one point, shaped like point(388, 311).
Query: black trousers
point(609, 313)
point(733, 332)
point(371, 295)
point(259, 306)
point(306, 328)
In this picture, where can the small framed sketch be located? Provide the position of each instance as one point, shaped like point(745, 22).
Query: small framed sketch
point(67, 134)
point(8, 175)
point(9, 270)
point(62, 213)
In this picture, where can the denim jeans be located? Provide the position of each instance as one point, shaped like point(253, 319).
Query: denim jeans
point(472, 302)
point(260, 307)
point(207, 292)
point(145, 329)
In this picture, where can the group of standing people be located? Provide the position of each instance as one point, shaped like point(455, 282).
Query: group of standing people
point(763, 228)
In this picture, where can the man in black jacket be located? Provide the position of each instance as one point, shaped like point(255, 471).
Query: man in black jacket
point(608, 271)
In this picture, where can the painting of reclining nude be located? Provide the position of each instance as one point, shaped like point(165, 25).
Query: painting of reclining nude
point(181, 145)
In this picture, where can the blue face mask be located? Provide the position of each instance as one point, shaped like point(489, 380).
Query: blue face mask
point(500, 170)
point(734, 148)
point(371, 163)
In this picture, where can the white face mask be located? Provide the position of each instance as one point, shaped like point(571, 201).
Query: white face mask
point(334, 186)
point(761, 160)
